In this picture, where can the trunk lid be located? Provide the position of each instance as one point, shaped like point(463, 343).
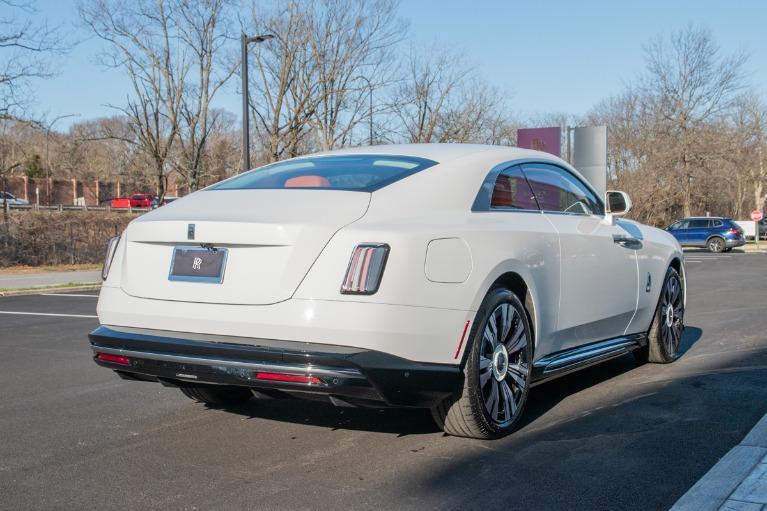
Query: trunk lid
point(272, 237)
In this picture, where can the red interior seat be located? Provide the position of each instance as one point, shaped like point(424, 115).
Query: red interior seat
point(307, 182)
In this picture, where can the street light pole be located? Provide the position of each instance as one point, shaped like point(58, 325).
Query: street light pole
point(244, 41)
point(370, 109)
point(48, 129)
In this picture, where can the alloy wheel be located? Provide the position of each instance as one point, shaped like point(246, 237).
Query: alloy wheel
point(503, 364)
point(672, 314)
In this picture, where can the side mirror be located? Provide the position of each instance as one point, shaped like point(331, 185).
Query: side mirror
point(618, 203)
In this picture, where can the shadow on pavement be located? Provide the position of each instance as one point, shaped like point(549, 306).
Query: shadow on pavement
point(660, 433)
point(417, 421)
point(323, 414)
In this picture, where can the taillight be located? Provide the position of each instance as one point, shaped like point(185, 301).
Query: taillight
point(366, 267)
point(111, 249)
point(114, 359)
point(733, 231)
point(290, 378)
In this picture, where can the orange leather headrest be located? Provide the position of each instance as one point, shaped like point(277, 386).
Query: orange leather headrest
point(307, 182)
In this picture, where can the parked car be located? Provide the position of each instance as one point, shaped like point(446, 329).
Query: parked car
point(718, 234)
point(156, 203)
point(12, 199)
point(137, 200)
point(450, 277)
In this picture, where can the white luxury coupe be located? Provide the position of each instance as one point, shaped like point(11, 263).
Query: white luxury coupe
point(449, 277)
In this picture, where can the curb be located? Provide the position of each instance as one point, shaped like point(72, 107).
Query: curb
point(52, 289)
point(736, 481)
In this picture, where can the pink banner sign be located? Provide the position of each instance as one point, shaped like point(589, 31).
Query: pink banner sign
point(541, 139)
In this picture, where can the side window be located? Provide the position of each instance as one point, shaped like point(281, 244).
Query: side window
point(675, 226)
point(558, 190)
point(716, 223)
point(698, 224)
point(511, 191)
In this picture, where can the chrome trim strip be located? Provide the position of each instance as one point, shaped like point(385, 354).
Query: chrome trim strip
point(303, 370)
point(588, 354)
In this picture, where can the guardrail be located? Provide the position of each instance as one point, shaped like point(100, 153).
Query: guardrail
point(65, 207)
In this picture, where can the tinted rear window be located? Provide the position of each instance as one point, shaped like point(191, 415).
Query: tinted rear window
point(353, 172)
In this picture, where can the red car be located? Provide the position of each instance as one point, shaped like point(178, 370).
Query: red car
point(137, 200)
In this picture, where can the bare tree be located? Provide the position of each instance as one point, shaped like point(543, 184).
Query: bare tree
point(285, 97)
point(12, 155)
point(140, 36)
point(426, 93)
point(26, 46)
point(206, 30)
point(442, 100)
point(689, 83)
point(169, 50)
point(352, 43)
point(750, 124)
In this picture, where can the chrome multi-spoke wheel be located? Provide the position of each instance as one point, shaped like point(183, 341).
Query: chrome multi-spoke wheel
point(496, 371)
point(503, 365)
point(672, 314)
point(665, 334)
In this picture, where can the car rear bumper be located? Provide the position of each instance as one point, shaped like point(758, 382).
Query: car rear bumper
point(734, 243)
point(345, 374)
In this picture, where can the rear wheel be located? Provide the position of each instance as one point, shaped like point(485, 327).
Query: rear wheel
point(496, 374)
point(716, 244)
point(218, 396)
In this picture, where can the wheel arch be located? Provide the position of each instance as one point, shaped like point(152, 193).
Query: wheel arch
point(677, 263)
point(716, 235)
point(521, 284)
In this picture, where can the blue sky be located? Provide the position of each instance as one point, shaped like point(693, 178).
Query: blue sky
point(547, 56)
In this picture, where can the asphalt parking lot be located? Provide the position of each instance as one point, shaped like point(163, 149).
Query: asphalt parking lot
point(617, 436)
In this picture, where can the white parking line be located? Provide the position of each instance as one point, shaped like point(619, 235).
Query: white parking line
point(65, 294)
point(47, 314)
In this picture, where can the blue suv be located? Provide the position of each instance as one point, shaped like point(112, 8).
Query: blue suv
point(718, 234)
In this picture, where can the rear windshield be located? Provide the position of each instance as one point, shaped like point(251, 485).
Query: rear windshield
point(362, 173)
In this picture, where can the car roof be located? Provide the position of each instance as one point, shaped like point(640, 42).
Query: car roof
point(464, 165)
point(440, 153)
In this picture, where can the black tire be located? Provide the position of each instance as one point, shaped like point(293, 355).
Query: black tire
point(716, 244)
point(473, 413)
point(218, 396)
point(665, 334)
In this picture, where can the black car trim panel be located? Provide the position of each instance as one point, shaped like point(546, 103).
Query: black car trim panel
point(345, 372)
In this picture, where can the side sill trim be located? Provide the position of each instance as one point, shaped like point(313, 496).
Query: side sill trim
point(566, 361)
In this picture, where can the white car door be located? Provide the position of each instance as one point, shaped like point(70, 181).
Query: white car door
point(598, 270)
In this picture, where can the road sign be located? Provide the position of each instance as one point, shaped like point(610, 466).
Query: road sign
point(756, 215)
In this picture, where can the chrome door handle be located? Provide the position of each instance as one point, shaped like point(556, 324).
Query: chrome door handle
point(626, 241)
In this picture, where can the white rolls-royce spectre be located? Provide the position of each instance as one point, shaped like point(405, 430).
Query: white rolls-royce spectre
point(442, 276)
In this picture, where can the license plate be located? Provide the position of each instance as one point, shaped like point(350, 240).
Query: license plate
point(198, 265)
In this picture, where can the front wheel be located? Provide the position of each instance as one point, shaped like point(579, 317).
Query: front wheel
point(496, 374)
point(665, 333)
